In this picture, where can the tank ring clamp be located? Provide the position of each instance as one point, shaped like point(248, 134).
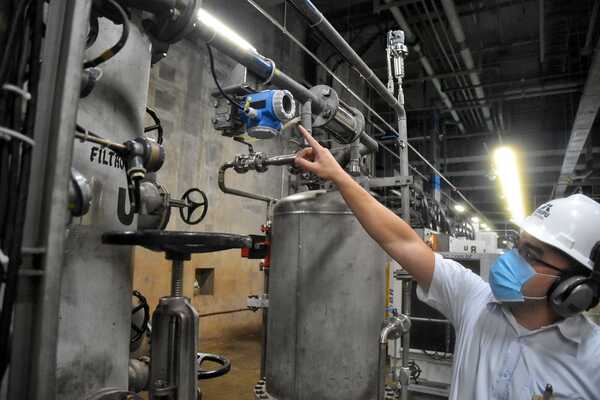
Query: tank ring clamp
point(260, 392)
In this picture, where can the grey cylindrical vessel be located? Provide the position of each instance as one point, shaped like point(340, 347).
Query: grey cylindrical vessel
point(95, 308)
point(326, 302)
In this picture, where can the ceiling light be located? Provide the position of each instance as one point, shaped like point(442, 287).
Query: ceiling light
point(505, 165)
point(475, 219)
point(487, 229)
point(483, 225)
point(459, 208)
point(223, 30)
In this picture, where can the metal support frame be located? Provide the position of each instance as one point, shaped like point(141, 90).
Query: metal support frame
point(60, 81)
point(582, 124)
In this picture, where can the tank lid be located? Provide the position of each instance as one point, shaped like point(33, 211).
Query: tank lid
point(313, 201)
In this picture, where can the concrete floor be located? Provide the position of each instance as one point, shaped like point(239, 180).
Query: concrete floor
point(244, 352)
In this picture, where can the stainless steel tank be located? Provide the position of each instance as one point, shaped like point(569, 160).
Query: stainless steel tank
point(94, 328)
point(326, 302)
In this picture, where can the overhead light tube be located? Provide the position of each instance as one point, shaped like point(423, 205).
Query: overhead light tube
point(223, 30)
point(506, 167)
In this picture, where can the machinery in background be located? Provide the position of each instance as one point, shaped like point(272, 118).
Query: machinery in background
point(432, 336)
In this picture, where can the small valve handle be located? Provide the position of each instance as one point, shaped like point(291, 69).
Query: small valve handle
point(187, 206)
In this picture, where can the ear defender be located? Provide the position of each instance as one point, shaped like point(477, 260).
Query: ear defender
point(573, 294)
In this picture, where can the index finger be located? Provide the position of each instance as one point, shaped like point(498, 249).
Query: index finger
point(309, 138)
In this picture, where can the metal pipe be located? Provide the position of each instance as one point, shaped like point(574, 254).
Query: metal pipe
point(467, 57)
point(318, 21)
point(237, 192)
point(393, 328)
point(406, 305)
point(265, 69)
point(306, 116)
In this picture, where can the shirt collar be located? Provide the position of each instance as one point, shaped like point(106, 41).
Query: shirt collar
point(573, 328)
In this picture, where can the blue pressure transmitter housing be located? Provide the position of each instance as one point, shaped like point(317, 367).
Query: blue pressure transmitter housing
point(265, 112)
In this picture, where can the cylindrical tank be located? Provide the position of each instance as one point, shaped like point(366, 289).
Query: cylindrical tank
point(326, 302)
point(95, 309)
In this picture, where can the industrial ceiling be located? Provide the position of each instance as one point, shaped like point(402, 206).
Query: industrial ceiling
point(480, 73)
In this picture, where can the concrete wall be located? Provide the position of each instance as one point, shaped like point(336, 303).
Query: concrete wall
point(180, 90)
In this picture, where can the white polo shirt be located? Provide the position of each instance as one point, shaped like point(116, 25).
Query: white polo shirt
point(496, 358)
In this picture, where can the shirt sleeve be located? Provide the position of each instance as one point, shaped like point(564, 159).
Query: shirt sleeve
point(454, 290)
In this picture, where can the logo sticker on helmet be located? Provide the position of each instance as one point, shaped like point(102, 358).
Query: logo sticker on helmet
point(544, 210)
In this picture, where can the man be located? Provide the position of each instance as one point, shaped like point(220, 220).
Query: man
point(522, 336)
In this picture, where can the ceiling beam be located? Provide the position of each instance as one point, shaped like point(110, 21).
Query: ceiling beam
point(486, 157)
point(582, 125)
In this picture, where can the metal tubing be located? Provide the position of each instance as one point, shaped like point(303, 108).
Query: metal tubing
point(406, 305)
point(240, 193)
point(306, 116)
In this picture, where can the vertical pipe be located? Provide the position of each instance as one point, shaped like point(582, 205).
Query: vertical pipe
point(265, 320)
point(306, 116)
point(406, 305)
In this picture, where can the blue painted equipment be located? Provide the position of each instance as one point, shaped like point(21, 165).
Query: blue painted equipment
point(265, 112)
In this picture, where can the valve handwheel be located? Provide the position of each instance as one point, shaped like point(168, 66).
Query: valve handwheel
point(224, 362)
point(195, 203)
point(138, 330)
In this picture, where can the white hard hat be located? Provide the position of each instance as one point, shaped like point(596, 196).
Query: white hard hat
point(570, 224)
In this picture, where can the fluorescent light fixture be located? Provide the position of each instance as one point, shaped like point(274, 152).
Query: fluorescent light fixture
point(505, 165)
point(487, 229)
point(475, 219)
point(223, 30)
point(483, 225)
point(459, 208)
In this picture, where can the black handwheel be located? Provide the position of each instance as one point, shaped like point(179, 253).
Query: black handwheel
point(191, 206)
point(202, 357)
point(137, 331)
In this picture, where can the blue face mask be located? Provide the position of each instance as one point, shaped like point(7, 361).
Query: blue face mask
point(508, 276)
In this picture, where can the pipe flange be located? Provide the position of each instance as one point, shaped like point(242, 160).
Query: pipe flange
point(260, 391)
point(330, 99)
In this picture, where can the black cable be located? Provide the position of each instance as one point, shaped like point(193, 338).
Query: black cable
point(93, 32)
point(214, 75)
point(15, 116)
point(110, 53)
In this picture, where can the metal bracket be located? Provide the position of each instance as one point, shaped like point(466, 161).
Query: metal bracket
point(392, 181)
point(256, 302)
